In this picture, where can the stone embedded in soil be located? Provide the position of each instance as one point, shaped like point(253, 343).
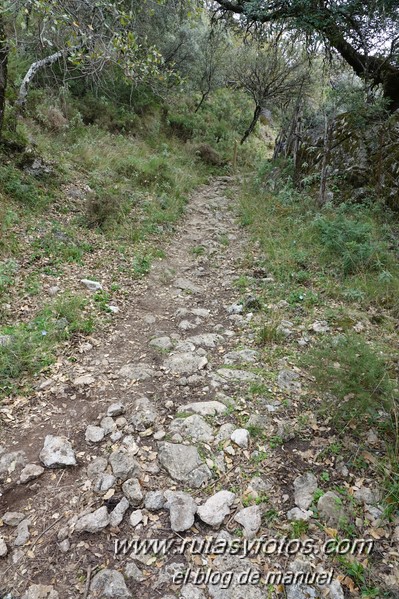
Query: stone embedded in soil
point(13, 518)
point(144, 414)
point(93, 522)
point(304, 487)
point(116, 409)
point(287, 380)
point(10, 461)
point(154, 500)
point(304, 591)
point(133, 572)
point(259, 485)
point(225, 432)
point(258, 420)
point(185, 363)
point(96, 467)
point(240, 436)
point(22, 533)
point(109, 584)
point(237, 375)
point(194, 427)
point(104, 482)
point(251, 519)
point(65, 545)
point(206, 340)
point(201, 312)
point(235, 309)
point(136, 517)
point(52, 291)
point(205, 408)
point(186, 325)
point(108, 425)
point(40, 591)
point(91, 285)
point(228, 585)
point(137, 372)
point(182, 509)
point(190, 591)
point(30, 472)
point(330, 508)
point(3, 548)
point(186, 285)
point(162, 343)
point(183, 463)
point(5, 340)
point(366, 496)
point(94, 434)
point(297, 514)
point(57, 452)
point(85, 379)
point(320, 326)
point(124, 465)
point(117, 514)
point(132, 491)
point(241, 356)
point(216, 508)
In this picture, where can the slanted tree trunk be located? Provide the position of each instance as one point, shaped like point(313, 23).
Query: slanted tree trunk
point(35, 67)
point(203, 98)
point(3, 72)
point(378, 70)
point(252, 126)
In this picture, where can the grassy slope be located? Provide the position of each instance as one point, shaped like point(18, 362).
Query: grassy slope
point(338, 266)
point(101, 214)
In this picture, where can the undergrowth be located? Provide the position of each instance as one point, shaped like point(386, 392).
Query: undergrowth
point(28, 348)
point(337, 264)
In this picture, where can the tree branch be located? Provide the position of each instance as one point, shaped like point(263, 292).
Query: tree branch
point(35, 67)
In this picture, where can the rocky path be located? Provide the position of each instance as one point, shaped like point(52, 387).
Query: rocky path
point(152, 433)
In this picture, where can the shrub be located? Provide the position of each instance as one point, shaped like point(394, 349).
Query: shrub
point(354, 373)
point(182, 126)
point(22, 188)
point(351, 242)
point(101, 209)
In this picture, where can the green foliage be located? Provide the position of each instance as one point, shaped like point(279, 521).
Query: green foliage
point(391, 496)
point(57, 247)
point(276, 441)
point(298, 529)
point(103, 209)
point(269, 333)
point(102, 298)
point(23, 188)
point(32, 345)
point(351, 242)
point(355, 373)
point(198, 250)
point(8, 269)
point(141, 265)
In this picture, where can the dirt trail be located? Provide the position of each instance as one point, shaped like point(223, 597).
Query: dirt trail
point(169, 346)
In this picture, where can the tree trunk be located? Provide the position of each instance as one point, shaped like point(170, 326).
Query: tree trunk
point(328, 134)
point(3, 72)
point(35, 67)
point(252, 126)
point(204, 97)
